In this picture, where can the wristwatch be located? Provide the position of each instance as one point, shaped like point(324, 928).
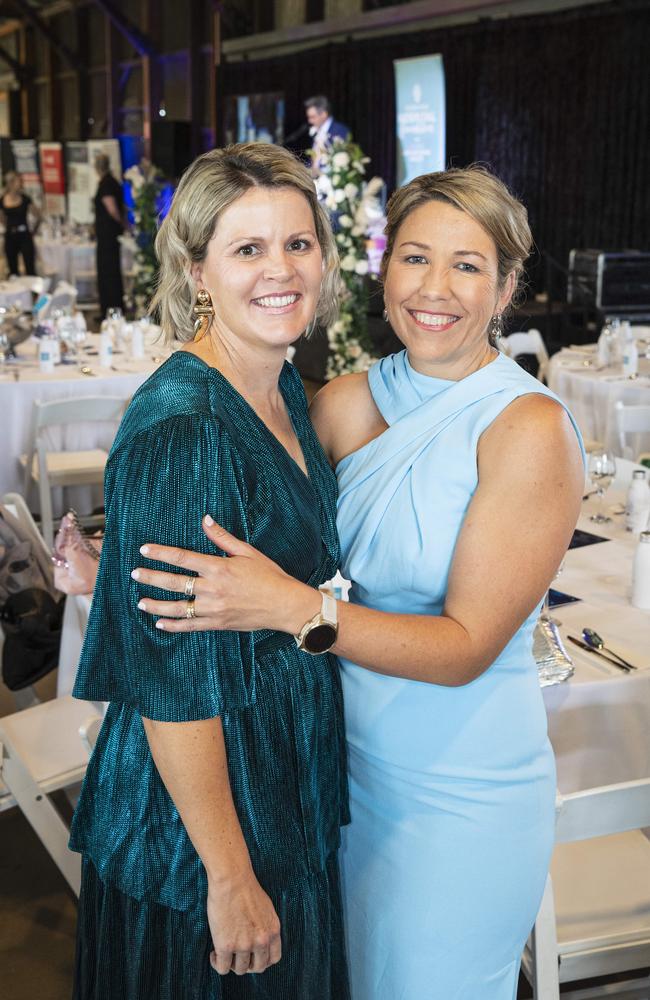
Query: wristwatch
point(320, 632)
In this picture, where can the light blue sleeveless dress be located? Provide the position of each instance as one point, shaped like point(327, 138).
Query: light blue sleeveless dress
point(452, 788)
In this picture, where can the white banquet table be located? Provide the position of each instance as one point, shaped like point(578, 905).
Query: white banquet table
point(21, 383)
point(66, 257)
point(599, 720)
point(592, 393)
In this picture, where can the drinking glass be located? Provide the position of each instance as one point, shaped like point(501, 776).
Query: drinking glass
point(601, 471)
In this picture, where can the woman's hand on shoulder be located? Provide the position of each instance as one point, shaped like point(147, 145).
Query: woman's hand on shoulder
point(344, 416)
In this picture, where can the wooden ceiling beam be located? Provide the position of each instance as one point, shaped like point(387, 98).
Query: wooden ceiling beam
point(140, 42)
point(73, 59)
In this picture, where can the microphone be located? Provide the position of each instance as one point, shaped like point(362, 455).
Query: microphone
point(298, 133)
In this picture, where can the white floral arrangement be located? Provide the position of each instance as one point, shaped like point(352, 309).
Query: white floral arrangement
point(145, 180)
point(352, 202)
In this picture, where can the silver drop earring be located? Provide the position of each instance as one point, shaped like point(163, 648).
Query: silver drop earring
point(384, 316)
point(496, 329)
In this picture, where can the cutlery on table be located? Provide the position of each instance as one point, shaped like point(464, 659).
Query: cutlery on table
point(594, 640)
point(603, 656)
point(591, 493)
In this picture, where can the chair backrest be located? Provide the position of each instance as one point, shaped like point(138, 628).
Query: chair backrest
point(529, 342)
point(631, 420)
point(596, 812)
point(58, 412)
point(599, 812)
point(80, 409)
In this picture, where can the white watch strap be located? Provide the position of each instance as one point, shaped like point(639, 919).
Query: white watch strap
point(328, 609)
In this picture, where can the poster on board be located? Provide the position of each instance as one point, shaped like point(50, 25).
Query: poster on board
point(82, 182)
point(26, 160)
point(420, 104)
point(111, 147)
point(53, 177)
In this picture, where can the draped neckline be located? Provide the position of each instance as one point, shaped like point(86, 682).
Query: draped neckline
point(398, 389)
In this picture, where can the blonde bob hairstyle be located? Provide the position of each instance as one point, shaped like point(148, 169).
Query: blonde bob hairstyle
point(482, 196)
point(209, 186)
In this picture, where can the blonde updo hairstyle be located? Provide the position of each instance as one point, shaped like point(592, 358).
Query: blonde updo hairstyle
point(209, 186)
point(482, 196)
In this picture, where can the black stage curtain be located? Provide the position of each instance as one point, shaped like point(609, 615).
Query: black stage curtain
point(557, 104)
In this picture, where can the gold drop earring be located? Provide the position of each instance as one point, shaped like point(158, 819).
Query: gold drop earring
point(204, 311)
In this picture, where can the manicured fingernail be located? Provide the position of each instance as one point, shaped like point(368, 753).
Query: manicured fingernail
point(142, 606)
point(136, 574)
point(160, 625)
point(208, 520)
point(144, 549)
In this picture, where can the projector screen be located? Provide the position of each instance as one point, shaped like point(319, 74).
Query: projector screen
point(420, 112)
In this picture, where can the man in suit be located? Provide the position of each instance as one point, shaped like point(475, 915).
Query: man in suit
point(323, 129)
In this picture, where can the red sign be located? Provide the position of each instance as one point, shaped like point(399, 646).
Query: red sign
point(53, 176)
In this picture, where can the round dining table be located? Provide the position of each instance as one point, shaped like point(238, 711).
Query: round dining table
point(591, 392)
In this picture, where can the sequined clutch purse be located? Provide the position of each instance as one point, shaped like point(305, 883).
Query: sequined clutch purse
point(554, 664)
point(76, 557)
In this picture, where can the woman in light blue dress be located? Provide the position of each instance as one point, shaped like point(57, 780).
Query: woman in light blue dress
point(460, 479)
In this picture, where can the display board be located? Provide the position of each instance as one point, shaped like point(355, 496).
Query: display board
point(82, 181)
point(420, 113)
point(53, 177)
point(26, 160)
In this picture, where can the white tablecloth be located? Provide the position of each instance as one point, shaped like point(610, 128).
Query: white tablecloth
point(591, 395)
point(599, 721)
point(63, 258)
point(17, 398)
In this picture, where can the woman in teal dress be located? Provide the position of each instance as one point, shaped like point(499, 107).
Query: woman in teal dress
point(460, 478)
point(209, 820)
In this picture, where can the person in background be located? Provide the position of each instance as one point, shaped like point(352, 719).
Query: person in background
point(16, 207)
point(323, 128)
point(109, 224)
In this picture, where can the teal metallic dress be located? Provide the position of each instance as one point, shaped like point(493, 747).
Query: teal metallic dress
point(189, 444)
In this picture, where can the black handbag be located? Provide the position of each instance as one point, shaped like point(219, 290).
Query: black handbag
point(31, 621)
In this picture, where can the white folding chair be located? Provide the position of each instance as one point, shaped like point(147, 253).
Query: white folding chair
point(43, 749)
point(594, 920)
point(65, 468)
point(529, 342)
point(631, 420)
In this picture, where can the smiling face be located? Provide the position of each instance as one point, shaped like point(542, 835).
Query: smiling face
point(263, 269)
point(442, 290)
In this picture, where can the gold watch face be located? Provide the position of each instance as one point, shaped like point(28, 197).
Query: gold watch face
point(320, 638)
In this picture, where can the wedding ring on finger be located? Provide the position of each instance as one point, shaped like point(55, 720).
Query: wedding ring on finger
point(189, 586)
point(189, 609)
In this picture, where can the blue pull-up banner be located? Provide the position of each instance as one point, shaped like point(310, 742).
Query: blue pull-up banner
point(420, 105)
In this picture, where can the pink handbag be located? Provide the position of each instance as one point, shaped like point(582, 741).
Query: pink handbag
point(76, 557)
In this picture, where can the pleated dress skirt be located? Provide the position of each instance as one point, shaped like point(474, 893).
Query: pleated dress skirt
point(135, 950)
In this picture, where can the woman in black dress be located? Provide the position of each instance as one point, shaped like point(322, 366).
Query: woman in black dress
point(16, 205)
point(109, 224)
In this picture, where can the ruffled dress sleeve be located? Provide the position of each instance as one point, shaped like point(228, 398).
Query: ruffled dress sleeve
point(159, 484)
